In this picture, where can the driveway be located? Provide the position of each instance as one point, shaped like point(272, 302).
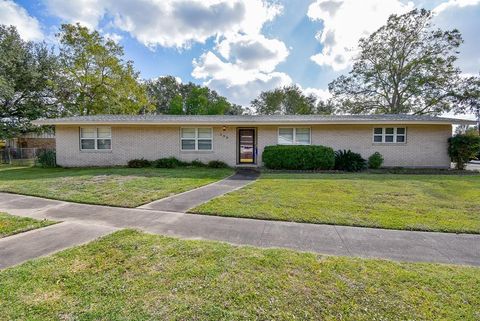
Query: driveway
point(324, 239)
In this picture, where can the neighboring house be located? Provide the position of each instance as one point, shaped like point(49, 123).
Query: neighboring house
point(44, 140)
point(403, 140)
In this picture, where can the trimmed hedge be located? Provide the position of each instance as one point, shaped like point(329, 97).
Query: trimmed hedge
point(298, 157)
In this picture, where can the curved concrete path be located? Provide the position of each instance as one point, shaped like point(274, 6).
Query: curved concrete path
point(184, 201)
point(324, 239)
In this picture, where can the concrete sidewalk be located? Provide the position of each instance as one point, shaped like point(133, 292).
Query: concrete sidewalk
point(21, 247)
point(184, 201)
point(324, 239)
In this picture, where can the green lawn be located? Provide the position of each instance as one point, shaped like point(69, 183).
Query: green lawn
point(118, 186)
point(448, 203)
point(10, 224)
point(133, 276)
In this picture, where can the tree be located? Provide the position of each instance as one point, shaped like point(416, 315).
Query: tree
point(94, 78)
point(288, 100)
point(462, 148)
point(406, 66)
point(26, 87)
point(470, 96)
point(176, 106)
point(161, 91)
point(167, 95)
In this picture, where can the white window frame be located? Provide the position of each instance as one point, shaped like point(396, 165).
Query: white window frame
point(95, 139)
point(196, 139)
point(295, 135)
point(384, 133)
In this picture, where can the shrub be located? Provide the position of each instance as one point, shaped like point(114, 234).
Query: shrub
point(346, 160)
point(375, 160)
point(462, 148)
point(170, 162)
point(217, 164)
point(46, 158)
point(139, 163)
point(309, 157)
point(197, 163)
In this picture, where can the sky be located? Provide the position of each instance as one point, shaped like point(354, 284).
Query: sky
point(241, 47)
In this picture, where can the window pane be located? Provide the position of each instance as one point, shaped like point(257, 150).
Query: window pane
point(205, 144)
point(188, 132)
point(389, 138)
point(400, 139)
point(285, 136)
point(303, 136)
point(104, 144)
point(188, 144)
point(400, 131)
point(87, 132)
point(378, 131)
point(87, 143)
point(377, 139)
point(389, 131)
point(204, 133)
point(104, 132)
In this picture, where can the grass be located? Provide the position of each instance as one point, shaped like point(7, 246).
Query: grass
point(10, 224)
point(117, 186)
point(446, 203)
point(133, 276)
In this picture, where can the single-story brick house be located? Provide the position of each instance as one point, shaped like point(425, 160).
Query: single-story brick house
point(104, 140)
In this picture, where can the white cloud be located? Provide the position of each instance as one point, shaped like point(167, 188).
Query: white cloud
point(345, 22)
point(462, 15)
point(455, 3)
point(322, 94)
point(115, 37)
point(170, 23)
point(235, 81)
point(243, 94)
point(253, 51)
point(86, 12)
point(12, 14)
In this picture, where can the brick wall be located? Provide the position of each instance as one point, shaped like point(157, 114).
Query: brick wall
point(426, 145)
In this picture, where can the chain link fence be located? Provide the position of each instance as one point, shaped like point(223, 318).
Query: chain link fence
point(10, 155)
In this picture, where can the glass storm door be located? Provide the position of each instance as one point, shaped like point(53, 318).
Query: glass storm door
point(246, 146)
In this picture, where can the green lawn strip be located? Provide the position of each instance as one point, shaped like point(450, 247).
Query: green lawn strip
point(446, 203)
point(10, 224)
point(117, 186)
point(129, 275)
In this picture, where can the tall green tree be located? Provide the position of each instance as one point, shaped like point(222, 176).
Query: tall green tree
point(94, 77)
point(288, 100)
point(406, 66)
point(27, 71)
point(167, 95)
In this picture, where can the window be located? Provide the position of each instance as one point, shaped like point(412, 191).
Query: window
point(294, 136)
point(95, 138)
point(389, 135)
point(196, 139)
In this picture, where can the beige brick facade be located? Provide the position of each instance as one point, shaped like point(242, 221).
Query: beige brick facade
point(426, 145)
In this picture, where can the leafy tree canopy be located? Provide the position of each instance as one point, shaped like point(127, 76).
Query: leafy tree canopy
point(27, 73)
point(406, 66)
point(170, 96)
point(290, 100)
point(94, 78)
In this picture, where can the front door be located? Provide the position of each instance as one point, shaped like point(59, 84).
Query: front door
point(246, 146)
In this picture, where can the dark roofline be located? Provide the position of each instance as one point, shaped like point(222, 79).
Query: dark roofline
point(151, 119)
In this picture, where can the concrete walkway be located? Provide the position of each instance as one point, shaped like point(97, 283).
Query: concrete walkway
point(21, 247)
point(184, 201)
point(324, 239)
